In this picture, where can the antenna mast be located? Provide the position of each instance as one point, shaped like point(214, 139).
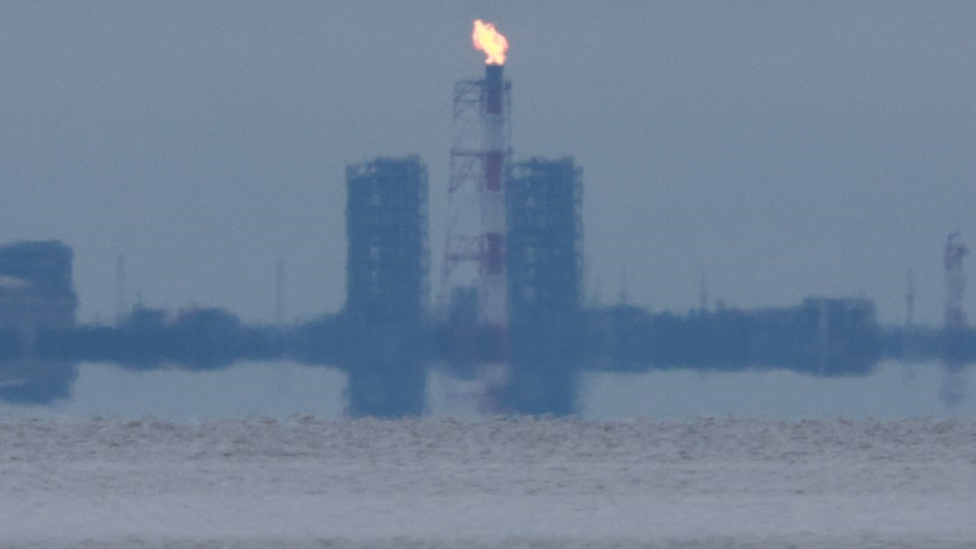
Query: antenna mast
point(121, 293)
point(910, 301)
point(280, 282)
point(703, 292)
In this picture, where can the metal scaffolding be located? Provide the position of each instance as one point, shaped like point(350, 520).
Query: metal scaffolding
point(387, 286)
point(36, 286)
point(544, 201)
point(479, 152)
point(386, 228)
point(36, 296)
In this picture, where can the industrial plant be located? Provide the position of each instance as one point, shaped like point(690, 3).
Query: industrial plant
point(507, 314)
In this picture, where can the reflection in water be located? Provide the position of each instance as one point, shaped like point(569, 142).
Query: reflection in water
point(32, 381)
point(954, 382)
point(894, 390)
point(283, 389)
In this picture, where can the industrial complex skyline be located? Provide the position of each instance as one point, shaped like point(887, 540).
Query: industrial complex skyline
point(510, 325)
point(783, 151)
point(514, 331)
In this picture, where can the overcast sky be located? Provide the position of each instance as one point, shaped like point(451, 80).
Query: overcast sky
point(782, 148)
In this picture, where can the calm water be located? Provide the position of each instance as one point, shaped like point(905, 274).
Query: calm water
point(256, 390)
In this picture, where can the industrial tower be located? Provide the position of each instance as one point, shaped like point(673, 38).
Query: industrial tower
point(544, 200)
point(36, 297)
point(955, 314)
point(474, 250)
point(387, 285)
point(544, 203)
point(953, 387)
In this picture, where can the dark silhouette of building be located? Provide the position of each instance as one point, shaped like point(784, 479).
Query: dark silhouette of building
point(36, 295)
point(544, 205)
point(387, 285)
point(35, 286)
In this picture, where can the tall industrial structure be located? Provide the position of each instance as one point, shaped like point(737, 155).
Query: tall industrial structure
point(544, 203)
point(387, 284)
point(474, 251)
point(281, 281)
point(36, 295)
point(953, 388)
point(36, 287)
point(955, 251)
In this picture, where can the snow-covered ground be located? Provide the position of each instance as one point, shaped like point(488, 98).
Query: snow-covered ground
point(509, 483)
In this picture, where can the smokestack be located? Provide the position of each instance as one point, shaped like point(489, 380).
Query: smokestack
point(493, 199)
point(494, 88)
point(494, 115)
point(478, 157)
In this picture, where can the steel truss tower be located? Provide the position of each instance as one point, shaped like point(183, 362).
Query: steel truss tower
point(474, 250)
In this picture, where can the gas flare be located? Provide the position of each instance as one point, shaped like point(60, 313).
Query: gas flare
point(490, 41)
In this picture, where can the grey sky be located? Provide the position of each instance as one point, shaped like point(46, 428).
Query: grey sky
point(786, 148)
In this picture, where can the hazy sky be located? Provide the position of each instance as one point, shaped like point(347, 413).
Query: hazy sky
point(783, 148)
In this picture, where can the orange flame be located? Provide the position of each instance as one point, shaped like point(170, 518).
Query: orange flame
point(490, 41)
